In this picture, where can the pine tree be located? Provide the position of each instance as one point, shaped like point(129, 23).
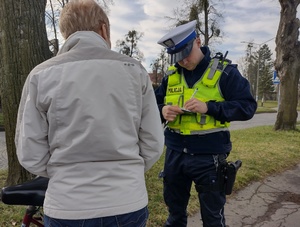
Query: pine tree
point(265, 83)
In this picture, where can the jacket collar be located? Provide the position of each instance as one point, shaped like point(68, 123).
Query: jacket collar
point(82, 39)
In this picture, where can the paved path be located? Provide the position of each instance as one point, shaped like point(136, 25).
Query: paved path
point(257, 120)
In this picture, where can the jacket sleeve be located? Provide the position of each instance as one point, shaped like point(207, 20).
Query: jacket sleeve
point(160, 94)
point(239, 104)
point(31, 131)
point(151, 138)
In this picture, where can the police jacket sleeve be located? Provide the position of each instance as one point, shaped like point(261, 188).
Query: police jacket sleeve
point(160, 94)
point(239, 104)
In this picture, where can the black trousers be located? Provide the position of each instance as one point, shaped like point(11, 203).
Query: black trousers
point(180, 171)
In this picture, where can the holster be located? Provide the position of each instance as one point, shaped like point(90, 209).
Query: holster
point(226, 177)
point(228, 174)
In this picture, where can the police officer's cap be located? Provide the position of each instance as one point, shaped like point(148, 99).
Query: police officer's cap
point(179, 41)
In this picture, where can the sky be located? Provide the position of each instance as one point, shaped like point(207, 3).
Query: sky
point(243, 21)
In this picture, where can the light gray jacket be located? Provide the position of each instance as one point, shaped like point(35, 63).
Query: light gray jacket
point(88, 120)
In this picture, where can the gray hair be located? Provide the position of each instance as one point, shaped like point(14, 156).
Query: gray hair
point(82, 15)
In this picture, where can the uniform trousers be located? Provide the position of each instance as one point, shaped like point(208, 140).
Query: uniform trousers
point(180, 170)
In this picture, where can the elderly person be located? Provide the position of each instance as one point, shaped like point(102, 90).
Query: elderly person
point(88, 121)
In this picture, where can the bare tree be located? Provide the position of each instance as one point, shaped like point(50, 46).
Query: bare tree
point(287, 64)
point(23, 45)
point(53, 9)
point(251, 68)
point(155, 75)
point(52, 15)
point(161, 62)
point(206, 15)
point(129, 46)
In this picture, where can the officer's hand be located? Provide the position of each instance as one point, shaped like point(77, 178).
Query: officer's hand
point(196, 106)
point(170, 112)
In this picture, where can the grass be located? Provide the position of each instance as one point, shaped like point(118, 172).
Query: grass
point(262, 150)
point(268, 107)
point(10, 215)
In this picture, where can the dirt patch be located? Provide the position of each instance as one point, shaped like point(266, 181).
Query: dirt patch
point(273, 207)
point(291, 197)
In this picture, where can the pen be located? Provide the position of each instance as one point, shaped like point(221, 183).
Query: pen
point(194, 93)
point(166, 124)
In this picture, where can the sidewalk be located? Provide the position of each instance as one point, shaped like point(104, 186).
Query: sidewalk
point(3, 154)
point(274, 202)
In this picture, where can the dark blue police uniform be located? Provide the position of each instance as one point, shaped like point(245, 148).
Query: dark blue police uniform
point(195, 158)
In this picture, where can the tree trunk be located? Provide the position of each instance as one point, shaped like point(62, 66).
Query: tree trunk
point(287, 64)
point(262, 100)
point(206, 34)
point(23, 45)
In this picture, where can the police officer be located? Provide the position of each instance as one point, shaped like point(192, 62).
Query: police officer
point(197, 101)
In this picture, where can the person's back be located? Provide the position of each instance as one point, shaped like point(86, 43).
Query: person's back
point(88, 121)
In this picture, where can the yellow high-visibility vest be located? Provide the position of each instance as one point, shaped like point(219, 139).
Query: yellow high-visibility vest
point(206, 89)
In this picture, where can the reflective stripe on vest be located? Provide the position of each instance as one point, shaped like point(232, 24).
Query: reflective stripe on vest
point(178, 93)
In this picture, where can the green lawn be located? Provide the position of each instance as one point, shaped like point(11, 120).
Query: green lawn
point(268, 107)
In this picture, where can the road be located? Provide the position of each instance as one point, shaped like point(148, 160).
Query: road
point(257, 120)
